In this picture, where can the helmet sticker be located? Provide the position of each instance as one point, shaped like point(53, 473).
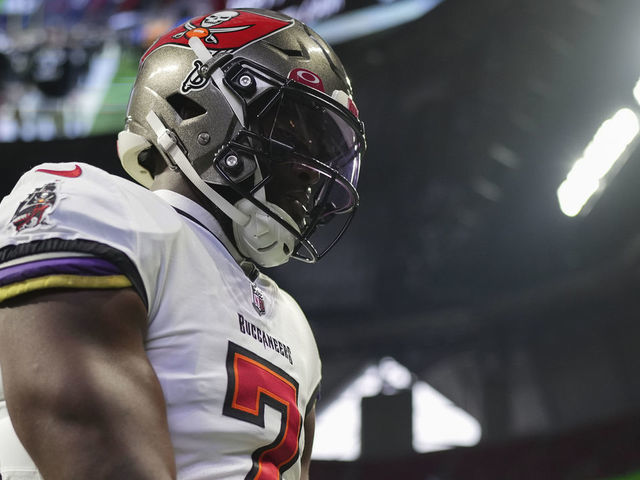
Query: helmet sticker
point(346, 101)
point(352, 108)
point(33, 211)
point(225, 30)
point(194, 80)
point(307, 77)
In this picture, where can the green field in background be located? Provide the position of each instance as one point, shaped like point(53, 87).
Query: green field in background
point(110, 117)
point(629, 476)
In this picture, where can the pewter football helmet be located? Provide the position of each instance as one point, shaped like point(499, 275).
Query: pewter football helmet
point(256, 110)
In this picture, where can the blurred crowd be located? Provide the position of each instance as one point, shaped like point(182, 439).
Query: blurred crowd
point(59, 58)
point(56, 55)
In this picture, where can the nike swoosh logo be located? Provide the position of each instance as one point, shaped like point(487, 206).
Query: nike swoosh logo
point(76, 172)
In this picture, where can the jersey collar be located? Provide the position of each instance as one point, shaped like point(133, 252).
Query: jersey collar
point(200, 215)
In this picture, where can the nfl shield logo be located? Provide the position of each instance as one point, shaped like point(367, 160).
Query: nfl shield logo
point(258, 300)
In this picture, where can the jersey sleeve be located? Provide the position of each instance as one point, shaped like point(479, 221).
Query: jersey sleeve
point(76, 226)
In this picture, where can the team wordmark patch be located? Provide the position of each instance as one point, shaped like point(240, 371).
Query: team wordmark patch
point(33, 212)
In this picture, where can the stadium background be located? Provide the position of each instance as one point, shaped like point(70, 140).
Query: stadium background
point(460, 272)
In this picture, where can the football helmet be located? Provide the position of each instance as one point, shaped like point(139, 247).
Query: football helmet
point(257, 112)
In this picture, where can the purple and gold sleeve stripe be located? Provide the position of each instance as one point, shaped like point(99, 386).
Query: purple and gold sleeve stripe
point(66, 272)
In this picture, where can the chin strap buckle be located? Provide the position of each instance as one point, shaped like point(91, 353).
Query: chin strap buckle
point(211, 69)
point(171, 145)
point(166, 139)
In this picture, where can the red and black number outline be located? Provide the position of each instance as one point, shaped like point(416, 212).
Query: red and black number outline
point(254, 382)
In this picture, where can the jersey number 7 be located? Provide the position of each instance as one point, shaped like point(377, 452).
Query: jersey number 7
point(254, 382)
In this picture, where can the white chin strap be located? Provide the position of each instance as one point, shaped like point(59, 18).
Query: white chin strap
point(276, 243)
point(217, 76)
point(258, 235)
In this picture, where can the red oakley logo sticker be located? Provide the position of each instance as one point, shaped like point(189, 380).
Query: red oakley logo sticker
point(307, 77)
point(225, 30)
point(76, 172)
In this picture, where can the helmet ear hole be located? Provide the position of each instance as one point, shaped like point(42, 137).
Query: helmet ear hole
point(185, 107)
point(152, 161)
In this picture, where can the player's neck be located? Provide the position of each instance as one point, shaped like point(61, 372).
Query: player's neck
point(176, 182)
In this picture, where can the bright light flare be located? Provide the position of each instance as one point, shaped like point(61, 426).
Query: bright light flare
point(438, 424)
point(605, 149)
point(636, 91)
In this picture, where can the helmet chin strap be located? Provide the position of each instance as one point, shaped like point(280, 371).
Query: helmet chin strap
point(209, 62)
point(261, 238)
point(264, 237)
point(168, 143)
point(257, 234)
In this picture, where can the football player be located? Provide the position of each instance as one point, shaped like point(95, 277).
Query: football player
point(139, 338)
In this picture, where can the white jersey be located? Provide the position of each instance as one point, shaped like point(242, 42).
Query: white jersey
point(236, 358)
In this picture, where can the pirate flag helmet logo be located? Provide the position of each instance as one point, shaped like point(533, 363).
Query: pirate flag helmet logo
point(227, 30)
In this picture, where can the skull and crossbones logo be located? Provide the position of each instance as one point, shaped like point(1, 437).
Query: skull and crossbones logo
point(208, 27)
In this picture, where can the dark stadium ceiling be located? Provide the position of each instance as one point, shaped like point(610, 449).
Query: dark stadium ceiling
point(475, 113)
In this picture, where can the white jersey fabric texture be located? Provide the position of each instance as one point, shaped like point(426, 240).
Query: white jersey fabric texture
point(236, 358)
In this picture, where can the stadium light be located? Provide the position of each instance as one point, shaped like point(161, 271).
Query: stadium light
point(605, 149)
point(636, 91)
